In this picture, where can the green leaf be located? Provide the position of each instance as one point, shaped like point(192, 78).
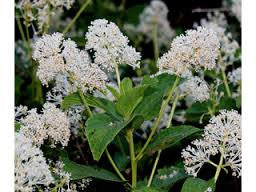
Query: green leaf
point(170, 136)
point(121, 160)
point(161, 82)
point(147, 189)
point(227, 103)
point(69, 100)
point(132, 14)
point(79, 171)
point(167, 177)
point(114, 92)
point(238, 102)
point(153, 97)
point(108, 106)
point(197, 185)
point(128, 102)
point(100, 131)
point(125, 85)
point(150, 105)
point(17, 126)
point(197, 109)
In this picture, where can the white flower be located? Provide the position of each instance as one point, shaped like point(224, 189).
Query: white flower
point(56, 124)
point(235, 76)
point(236, 9)
point(228, 46)
point(42, 10)
point(20, 111)
point(195, 89)
point(110, 45)
point(197, 48)
point(52, 124)
point(197, 155)
point(33, 127)
point(155, 16)
point(47, 52)
point(222, 135)
point(30, 166)
point(57, 56)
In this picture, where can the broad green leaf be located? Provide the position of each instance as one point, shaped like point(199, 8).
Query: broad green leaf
point(100, 131)
point(69, 100)
point(227, 103)
point(108, 106)
point(194, 113)
point(170, 136)
point(238, 102)
point(121, 160)
point(79, 171)
point(167, 177)
point(125, 85)
point(128, 102)
point(198, 185)
point(161, 82)
point(151, 104)
point(153, 97)
point(136, 122)
point(114, 92)
point(147, 189)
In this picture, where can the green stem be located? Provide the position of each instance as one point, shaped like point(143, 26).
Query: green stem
point(117, 76)
point(85, 103)
point(159, 152)
point(154, 168)
point(155, 43)
point(219, 166)
point(62, 182)
point(172, 111)
point(224, 77)
point(157, 122)
point(21, 29)
point(86, 3)
point(210, 112)
point(114, 165)
point(133, 159)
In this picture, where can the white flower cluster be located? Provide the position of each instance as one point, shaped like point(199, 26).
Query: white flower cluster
point(235, 76)
point(171, 175)
point(57, 56)
point(154, 16)
point(110, 45)
point(42, 10)
point(197, 48)
point(228, 46)
point(236, 9)
point(61, 89)
point(222, 135)
point(30, 166)
point(52, 124)
point(194, 89)
point(67, 184)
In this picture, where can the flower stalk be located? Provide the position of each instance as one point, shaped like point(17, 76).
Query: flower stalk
point(158, 120)
point(86, 3)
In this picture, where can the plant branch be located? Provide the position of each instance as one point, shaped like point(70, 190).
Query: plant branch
point(154, 168)
point(85, 103)
point(172, 111)
point(86, 3)
point(133, 159)
point(157, 122)
point(114, 165)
